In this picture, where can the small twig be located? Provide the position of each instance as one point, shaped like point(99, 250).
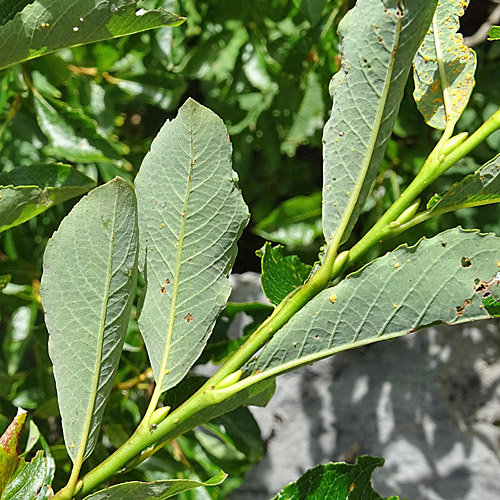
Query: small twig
point(128, 384)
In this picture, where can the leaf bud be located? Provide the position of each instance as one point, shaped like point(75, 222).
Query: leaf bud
point(159, 415)
point(231, 379)
point(453, 143)
point(341, 260)
point(406, 215)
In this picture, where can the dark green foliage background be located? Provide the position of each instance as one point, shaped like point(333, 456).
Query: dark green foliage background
point(264, 67)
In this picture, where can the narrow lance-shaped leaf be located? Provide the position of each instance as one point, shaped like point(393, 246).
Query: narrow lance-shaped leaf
point(43, 27)
point(309, 117)
point(434, 281)
point(336, 481)
point(191, 214)
point(444, 67)
point(28, 191)
point(295, 223)
point(156, 490)
point(480, 188)
point(378, 40)
point(87, 290)
point(9, 449)
point(58, 125)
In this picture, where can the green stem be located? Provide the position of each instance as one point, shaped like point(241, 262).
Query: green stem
point(204, 397)
point(433, 168)
point(332, 267)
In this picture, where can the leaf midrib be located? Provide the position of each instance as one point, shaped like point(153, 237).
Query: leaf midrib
point(442, 72)
point(176, 278)
point(346, 217)
point(95, 379)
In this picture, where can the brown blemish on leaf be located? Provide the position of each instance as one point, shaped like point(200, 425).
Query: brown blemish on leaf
point(188, 317)
point(163, 289)
point(485, 287)
point(461, 309)
point(167, 281)
point(465, 262)
point(11, 436)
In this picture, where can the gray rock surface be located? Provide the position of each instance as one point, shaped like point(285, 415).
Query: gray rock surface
point(428, 403)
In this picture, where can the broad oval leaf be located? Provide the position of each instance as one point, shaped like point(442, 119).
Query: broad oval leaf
point(29, 479)
point(405, 290)
point(191, 215)
point(378, 41)
point(88, 285)
point(336, 481)
point(480, 188)
point(156, 490)
point(43, 27)
point(444, 68)
point(28, 191)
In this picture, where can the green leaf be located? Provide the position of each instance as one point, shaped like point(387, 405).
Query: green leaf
point(43, 27)
point(191, 215)
point(71, 134)
point(480, 188)
point(156, 490)
point(33, 437)
point(444, 68)
point(87, 290)
point(9, 451)
point(45, 492)
point(9, 8)
point(281, 275)
point(295, 223)
point(309, 117)
point(403, 291)
point(336, 481)
point(366, 93)
point(158, 89)
point(312, 9)
point(29, 479)
point(234, 440)
point(28, 191)
point(494, 33)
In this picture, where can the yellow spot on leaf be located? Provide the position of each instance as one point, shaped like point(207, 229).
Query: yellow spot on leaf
point(333, 298)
